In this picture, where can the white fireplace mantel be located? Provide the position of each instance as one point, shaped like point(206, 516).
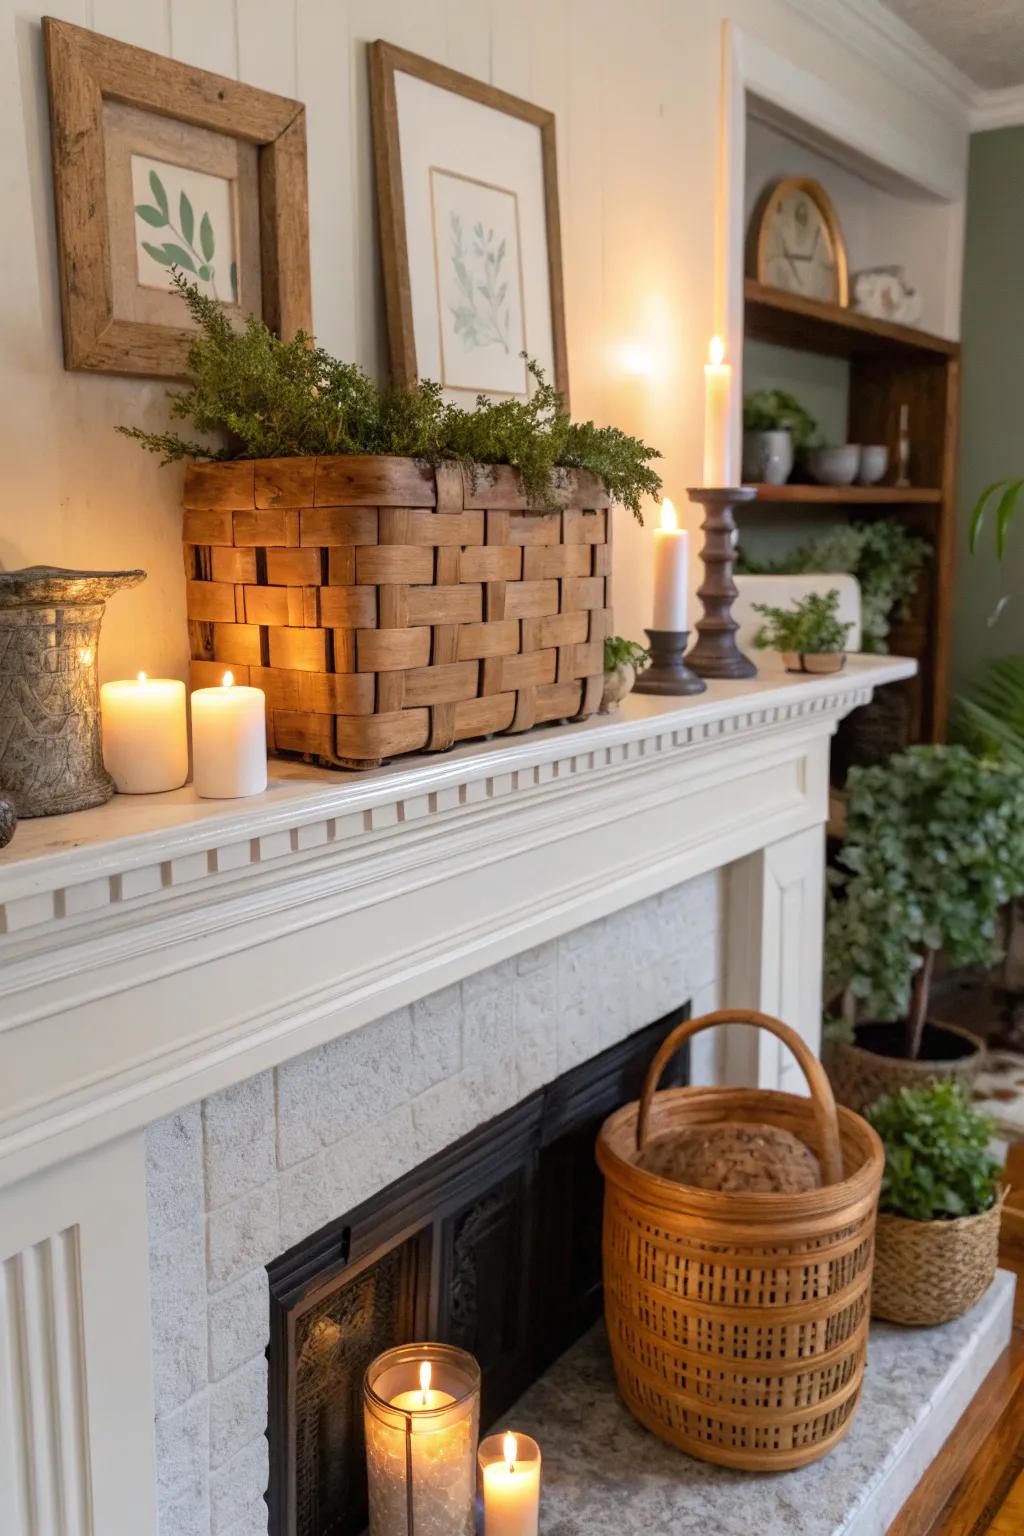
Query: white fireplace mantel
point(162, 948)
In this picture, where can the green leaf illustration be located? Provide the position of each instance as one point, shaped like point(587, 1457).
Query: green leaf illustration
point(187, 216)
point(206, 241)
point(169, 255)
point(151, 215)
point(156, 186)
point(234, 281)
point(205, 272)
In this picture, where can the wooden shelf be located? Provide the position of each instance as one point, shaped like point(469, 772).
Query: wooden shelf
point(845, 495)
point(792, 321)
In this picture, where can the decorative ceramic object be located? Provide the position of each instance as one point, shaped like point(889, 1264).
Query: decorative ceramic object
point(820, 662)
point(767, 457)
point(883, 293)
point(874, 461)
point(50, 756)
point(834, 466)
point(8, 819)
point(618, 682)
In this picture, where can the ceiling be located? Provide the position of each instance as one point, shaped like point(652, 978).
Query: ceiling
point(983, 38)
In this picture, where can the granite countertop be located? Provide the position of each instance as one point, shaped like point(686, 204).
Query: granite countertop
point(604, 1475)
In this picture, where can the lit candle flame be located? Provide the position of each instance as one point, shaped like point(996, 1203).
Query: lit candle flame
point(228, 680)
point(425, 1380)
point(716, 352)
point(510, 1450)
point(142, 677)
point(669, 517)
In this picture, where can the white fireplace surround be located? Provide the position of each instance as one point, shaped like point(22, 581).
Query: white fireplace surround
point(223, 1025)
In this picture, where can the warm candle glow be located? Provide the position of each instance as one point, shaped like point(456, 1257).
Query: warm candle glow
point(142, 677)
point(716, 352)
point(721, 416)
point(510, 1451)
point(228, 680)
point(669, 516)
point(425, 1380)
point(145, 742)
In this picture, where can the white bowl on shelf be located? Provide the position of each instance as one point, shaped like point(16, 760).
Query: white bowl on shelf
point(833, 466)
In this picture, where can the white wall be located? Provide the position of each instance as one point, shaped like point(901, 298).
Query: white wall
point(636, 90)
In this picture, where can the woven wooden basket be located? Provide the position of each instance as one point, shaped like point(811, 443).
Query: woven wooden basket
point(859, 1076)
point(387, 607)
point(738, 1322)
point(928, 1272)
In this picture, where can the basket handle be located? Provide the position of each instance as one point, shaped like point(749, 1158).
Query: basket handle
point(822, 1101)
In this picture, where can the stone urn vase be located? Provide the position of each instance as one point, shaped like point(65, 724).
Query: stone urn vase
point(618, 682)
point(51, 759)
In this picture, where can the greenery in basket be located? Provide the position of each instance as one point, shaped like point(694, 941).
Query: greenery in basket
point(774, 410)
point(268, 398)
point(619, 652)
point(811, 626)
point(934, 845)
point(937, 1162)
point(883, 556)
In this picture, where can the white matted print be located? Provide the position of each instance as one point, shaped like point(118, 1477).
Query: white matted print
point(185, 218)
point(477, 260)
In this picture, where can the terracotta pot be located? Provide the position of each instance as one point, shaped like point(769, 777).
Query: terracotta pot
point(617, 683)
point(814, 661)
point(928, 1272)
point(862, 1071)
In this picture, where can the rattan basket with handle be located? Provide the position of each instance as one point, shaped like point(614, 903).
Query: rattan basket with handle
point(738, 1322)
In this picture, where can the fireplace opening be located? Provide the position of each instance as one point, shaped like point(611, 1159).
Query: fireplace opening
point(494, 1245)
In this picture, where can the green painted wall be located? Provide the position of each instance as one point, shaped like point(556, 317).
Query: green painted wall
point(992, 423)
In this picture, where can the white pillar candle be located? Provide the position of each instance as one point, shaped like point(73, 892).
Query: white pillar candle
point(145, 738)
point(719, 458)
point(671, 568)
point(229, 741)
point(510, 1473)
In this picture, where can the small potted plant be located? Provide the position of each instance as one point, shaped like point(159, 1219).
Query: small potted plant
point(623, 661)
point(937, 1238)
point(775, 427)
point(934, 847)
point(809, 634)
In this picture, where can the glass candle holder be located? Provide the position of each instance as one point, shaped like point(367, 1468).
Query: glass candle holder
point(421, 1406)
point(510, 1483)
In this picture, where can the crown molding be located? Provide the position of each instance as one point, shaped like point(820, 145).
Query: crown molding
point(998, 109)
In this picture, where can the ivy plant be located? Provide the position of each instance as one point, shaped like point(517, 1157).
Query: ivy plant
point(267, 398)
point(811, 626)
point(883, 556)
point(775, 410)
point(619, 652)
point(934, 845)
point(937, 1162)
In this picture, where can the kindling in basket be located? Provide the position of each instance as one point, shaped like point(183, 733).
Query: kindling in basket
point(738, 1323)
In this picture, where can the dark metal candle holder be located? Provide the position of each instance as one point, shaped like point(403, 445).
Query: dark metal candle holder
point(668, 672)
point(716, 653)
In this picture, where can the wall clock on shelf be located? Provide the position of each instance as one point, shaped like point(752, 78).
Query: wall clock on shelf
point(796, 243)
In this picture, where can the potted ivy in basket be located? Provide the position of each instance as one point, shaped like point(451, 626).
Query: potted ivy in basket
point(937, 1237)
point(370, 554)
point(934, 846)
point(809, 634)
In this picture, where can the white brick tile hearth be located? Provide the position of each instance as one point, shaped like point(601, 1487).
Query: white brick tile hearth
point(234, 1181)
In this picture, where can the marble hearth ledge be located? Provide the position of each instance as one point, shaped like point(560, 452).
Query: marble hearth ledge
point(604, 1475)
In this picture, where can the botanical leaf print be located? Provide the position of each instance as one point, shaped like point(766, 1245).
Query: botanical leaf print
point(206, 237)
point(156, 186)
point(186, 217)
point(181, 252)
point(481, 317)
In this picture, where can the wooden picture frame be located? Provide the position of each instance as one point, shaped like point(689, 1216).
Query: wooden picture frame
point(249, 138)
point(386, 62)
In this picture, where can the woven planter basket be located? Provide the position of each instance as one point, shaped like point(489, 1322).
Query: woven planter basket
point(859, 1076)
point(387, 607)
point(738, 1322)
point(928, 1272)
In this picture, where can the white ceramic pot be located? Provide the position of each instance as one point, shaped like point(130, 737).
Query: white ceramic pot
point(874, 461)
point(834, 466)
point(767, 457)
point(617, 683)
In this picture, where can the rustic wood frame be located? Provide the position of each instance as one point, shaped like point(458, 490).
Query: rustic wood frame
point(385, 60)
point(83, 69)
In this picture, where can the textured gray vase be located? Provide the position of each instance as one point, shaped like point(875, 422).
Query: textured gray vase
point(767, 457)
point(50, 755)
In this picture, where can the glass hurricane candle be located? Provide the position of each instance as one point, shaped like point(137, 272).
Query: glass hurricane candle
point(421, 1405)
point(510, 1481)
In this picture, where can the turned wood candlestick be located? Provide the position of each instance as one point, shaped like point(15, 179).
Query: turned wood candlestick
point(668, 672)
point(716, 653)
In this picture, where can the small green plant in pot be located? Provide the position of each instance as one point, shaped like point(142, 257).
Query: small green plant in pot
point(937, 1238)
point(809, 634)
point(775, 427)
point(624, 660)
point(934, 846)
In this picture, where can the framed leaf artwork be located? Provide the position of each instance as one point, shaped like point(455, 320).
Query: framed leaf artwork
point(467, 191)
point(159, 166)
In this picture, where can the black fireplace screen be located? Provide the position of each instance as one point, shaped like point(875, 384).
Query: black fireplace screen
point(493, 1245)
